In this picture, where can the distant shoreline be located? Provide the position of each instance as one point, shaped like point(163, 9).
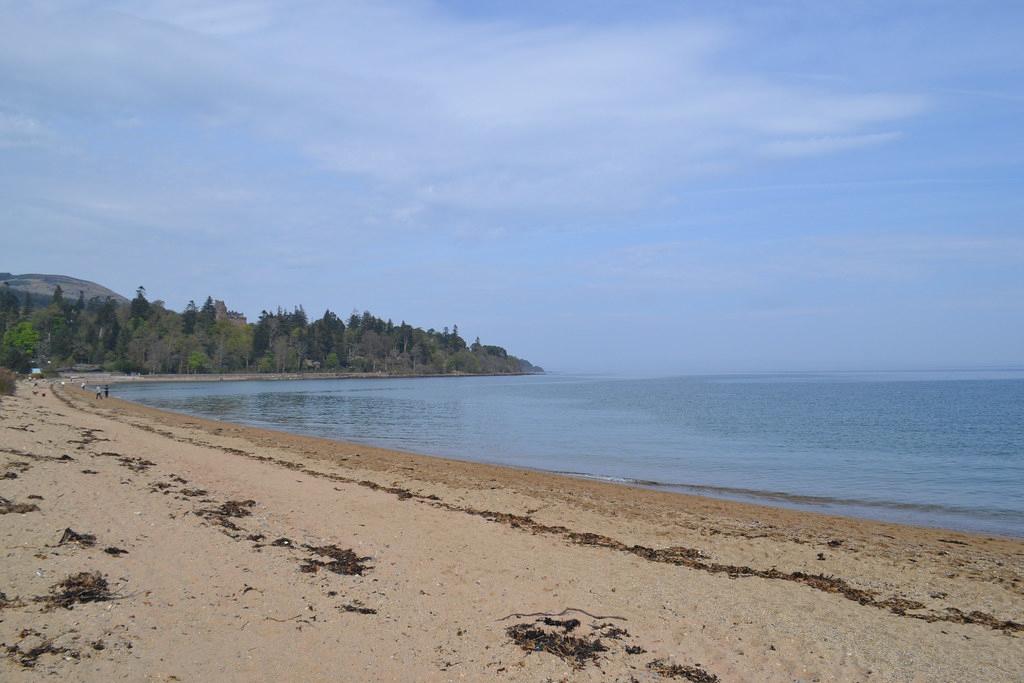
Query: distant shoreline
point(110, 378)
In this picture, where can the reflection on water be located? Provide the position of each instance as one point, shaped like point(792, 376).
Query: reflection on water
point(359, 418)
point(944, 448)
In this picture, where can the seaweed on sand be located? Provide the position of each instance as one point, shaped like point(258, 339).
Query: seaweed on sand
point(10, 507)
point(577, 651)
point(6, 603)
point(339, 560)
point(76, 589)
point(27, 657)
point(223, 513)
point(689, 673)
point(236, 508)
point(136, 464)
point(358, 608)
point(72, 536)
point(566, 625)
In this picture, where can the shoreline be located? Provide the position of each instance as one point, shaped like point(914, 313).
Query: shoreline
point(112, 378)
point(845, 508)
point(458, 557)
point(608, 487)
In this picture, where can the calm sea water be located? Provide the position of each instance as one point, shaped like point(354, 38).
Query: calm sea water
point(942, 449)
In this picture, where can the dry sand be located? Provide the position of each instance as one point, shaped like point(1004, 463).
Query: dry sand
point(669, 585)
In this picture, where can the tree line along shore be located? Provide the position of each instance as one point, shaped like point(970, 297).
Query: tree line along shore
point(143, 336)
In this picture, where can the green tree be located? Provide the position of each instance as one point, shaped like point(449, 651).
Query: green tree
point(140, 305)
point(10, 307)
point(146, 336)
point(18, 346)
point(207, 315)
point(237, 345)
point(198, 361)
point(463, 361)
point(189, 317)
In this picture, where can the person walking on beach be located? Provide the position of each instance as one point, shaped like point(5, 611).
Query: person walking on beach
point(106, 391)
point(99, 391)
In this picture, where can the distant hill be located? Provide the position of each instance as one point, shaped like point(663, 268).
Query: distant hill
point(40, 287)
point(528, 367)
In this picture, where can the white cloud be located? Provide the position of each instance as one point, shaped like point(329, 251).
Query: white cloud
point(224, 18)
point(17, 130)
point(498, 162)
point(825, 145)
point(911, 254)
point(709, 266)
point(460, 114)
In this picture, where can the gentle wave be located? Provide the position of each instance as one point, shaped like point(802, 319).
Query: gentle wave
point(781, 496)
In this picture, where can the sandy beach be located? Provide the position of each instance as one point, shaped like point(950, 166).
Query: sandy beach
point(201, 550)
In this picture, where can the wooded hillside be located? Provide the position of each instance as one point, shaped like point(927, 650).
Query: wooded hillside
point(144, 336)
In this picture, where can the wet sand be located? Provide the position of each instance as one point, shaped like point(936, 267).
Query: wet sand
point(258, 555)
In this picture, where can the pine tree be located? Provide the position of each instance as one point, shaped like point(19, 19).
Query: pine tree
point(140, 305)
point(189, 318)
point(208, 315)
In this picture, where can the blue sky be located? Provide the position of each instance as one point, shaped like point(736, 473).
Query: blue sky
point(598, 186)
